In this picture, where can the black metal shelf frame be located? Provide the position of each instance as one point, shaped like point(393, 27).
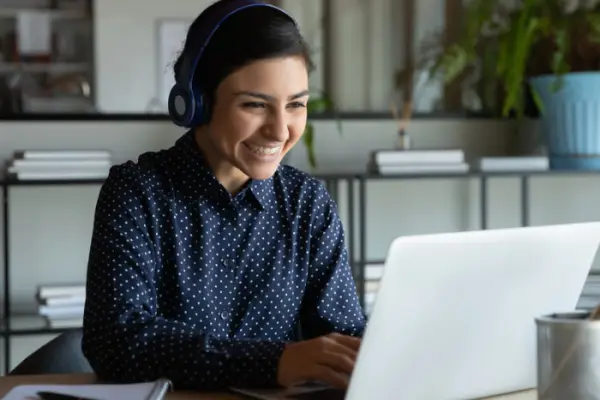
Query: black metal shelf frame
point(355, 230)
point(7, 330)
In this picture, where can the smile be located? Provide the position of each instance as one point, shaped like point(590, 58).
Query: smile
point(263, 150)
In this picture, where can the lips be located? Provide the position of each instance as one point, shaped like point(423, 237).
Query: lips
point(263, 150)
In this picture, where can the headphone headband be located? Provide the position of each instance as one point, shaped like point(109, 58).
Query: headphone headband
point(186, 103)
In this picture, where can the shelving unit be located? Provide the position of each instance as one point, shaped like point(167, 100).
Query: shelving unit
point(10, 12)
point(57, 76)
point(22, 325)
point(56, 67)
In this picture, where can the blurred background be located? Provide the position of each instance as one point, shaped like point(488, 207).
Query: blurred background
point(426, 116)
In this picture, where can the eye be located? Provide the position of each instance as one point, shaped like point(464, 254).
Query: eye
point(254, 104)
point(297, 104)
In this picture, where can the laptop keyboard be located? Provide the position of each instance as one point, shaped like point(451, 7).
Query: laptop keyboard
point(325, 394)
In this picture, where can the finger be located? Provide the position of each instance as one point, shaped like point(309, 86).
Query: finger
point(337, 347)
point(330, 377)
point(348, 341)
point(331, 345)
point(338, 361)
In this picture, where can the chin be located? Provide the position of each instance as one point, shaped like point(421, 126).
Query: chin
point(261, 173)
point(258, 167)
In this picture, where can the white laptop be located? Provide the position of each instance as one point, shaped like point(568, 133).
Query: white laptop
point(455, 313)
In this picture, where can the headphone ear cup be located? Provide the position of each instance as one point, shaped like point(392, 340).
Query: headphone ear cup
point(181, 106)
point(201, 110)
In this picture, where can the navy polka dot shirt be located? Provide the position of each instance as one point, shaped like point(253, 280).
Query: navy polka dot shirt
point(188, 282)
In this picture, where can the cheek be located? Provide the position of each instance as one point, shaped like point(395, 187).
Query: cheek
point(243, 126)
point(234, 127)
point(297, 129)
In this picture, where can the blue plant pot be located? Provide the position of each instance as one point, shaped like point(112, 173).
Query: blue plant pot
point(570, 119)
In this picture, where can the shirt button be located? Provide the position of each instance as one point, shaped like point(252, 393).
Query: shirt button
point(228, 263)
point(224, 315)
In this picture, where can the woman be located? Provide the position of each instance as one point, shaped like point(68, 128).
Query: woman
point(205, 257)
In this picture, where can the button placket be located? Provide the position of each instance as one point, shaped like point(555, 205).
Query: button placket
point(228, 274)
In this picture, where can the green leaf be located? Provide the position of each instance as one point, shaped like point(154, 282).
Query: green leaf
point(559, 58)
point(324, 104)
point(455, 63)
point(319, 105)
point(308, 139)
point(537, 100)
point(522, 38)
point(593, 20)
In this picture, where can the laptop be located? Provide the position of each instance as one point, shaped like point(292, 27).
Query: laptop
point(454, 316)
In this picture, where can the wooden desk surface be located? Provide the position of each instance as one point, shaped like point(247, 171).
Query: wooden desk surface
point(8, 382)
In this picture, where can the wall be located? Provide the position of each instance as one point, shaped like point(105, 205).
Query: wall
point(126, 70)
point(126, 65)
point(366, 45)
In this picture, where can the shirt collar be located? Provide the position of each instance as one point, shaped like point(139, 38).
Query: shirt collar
point(263, 191)
point(200, 180)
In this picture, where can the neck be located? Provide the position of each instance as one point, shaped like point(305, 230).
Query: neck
point(230, 177)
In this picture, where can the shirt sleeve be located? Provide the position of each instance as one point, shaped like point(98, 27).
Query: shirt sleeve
point(331, 302)
point(126, 337)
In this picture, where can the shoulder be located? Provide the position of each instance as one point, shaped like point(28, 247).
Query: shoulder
point(141, 177)
point(308, 194)
point(302, 186)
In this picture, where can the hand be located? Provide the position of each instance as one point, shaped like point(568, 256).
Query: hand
point(328, 359)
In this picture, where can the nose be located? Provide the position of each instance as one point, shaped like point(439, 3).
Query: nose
point(277, 128)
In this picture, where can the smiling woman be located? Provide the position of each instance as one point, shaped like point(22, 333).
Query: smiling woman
point(258, 115)
point(206, 258)
point(254, 92)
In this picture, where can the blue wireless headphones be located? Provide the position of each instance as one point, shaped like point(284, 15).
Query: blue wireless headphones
point(187, 106)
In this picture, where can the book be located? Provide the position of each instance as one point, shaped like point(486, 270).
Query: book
point(62, 154)
point(438, 168)
point(155, 390)
point(421, 156)
point(58, 290)
point(518, 163)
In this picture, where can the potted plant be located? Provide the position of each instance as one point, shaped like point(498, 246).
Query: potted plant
point(540, 52)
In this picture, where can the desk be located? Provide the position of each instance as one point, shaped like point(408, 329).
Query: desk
point(8, 382)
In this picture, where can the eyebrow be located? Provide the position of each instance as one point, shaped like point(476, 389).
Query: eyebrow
point(266, 97)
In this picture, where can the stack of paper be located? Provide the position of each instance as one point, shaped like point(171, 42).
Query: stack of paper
point(433, 161)
point(60, 164)
point(155, 390)
point(62, 306)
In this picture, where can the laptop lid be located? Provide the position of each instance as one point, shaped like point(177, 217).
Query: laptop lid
point(454, 314)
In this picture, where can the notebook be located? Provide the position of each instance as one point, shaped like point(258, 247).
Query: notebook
point(155, 390)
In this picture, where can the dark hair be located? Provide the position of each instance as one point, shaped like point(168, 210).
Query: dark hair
point(255, 33)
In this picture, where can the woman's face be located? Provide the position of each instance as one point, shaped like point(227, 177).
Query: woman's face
point(258, 116)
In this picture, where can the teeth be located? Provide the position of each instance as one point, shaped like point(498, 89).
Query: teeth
point(264, 150)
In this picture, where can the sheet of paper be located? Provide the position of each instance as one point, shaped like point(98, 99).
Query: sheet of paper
point(34, 31)
point(136, 391)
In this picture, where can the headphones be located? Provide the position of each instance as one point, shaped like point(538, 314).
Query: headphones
point(187, 104)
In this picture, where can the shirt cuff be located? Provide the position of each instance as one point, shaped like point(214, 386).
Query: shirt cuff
point(253, 363)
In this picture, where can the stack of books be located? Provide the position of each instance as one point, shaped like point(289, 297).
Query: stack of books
point(59, 165)
point(513, 163)
point(61, 305)
point(395, 162)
